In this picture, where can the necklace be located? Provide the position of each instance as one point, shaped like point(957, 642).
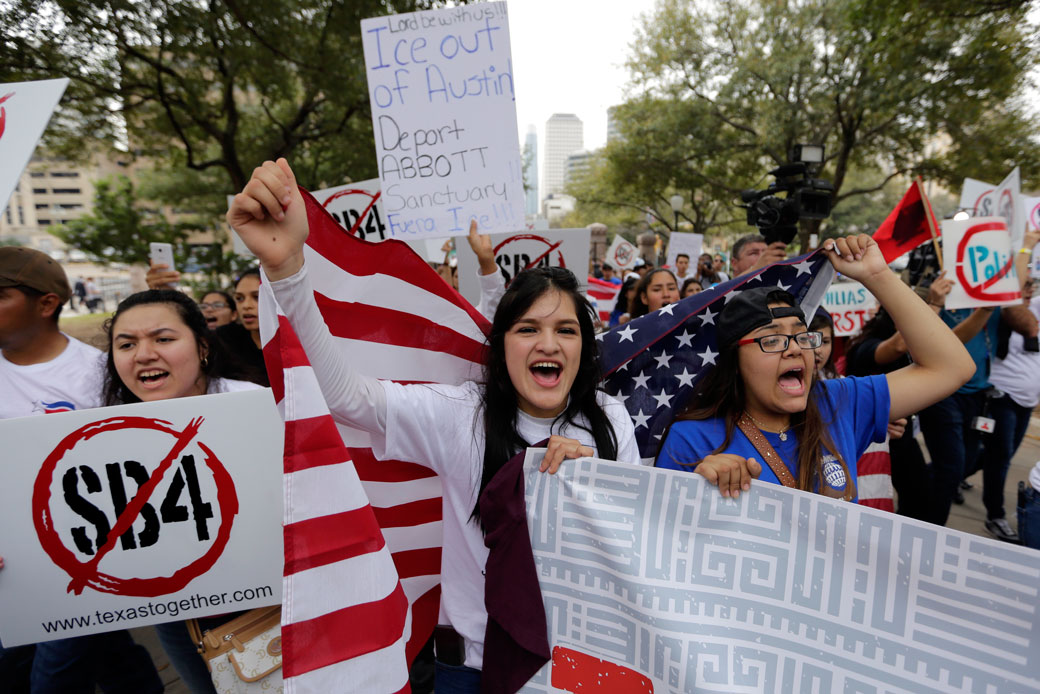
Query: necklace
point(782, 433)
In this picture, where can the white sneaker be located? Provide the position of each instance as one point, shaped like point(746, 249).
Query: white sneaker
point(1000, 529)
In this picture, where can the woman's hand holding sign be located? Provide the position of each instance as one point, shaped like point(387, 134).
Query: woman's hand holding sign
point(271, 219)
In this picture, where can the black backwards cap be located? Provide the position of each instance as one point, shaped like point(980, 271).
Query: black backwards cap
point(749, 310)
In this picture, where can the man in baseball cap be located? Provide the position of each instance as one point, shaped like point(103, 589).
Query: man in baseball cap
point(28, 269)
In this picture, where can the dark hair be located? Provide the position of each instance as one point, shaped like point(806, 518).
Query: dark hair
point(880, 327)
point(607, 266)
point(621, 304)
point(228, 299)
point(639, 307)
point(686, 283)
point(721, 394)
point(822, 319)
point(738, 247)
point(115, 392)
point(682, 255)
point(499, 405)
point(250, 272)
point(34, 294)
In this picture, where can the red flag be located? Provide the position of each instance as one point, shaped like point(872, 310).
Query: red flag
point(909, 225)
point(362, 536)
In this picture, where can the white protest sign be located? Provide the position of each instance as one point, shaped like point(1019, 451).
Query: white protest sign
point(25, 110)
point(1004, 200)
point(684, 242)
point(120, 517)
point(566, 248)
point(440, 85)
point(622, 254)
point(978, 256)
point(850, 306)
point(651, 581)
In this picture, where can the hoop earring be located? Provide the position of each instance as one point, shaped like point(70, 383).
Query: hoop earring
point(204, 362)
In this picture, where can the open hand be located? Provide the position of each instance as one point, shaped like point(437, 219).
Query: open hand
point(270, 218)
point(481, 245)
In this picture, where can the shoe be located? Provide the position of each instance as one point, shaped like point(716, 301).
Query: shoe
point(965, 484)
point(999, 528)
point(958, 497)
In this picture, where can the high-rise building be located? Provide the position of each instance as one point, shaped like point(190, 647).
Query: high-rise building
point(612, 128)
point(563, 137)
point(576, 165)
point(531, 171)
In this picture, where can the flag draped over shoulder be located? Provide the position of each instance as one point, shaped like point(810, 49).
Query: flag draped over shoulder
point(652, 362)
point(907, 226)
point(362, 536)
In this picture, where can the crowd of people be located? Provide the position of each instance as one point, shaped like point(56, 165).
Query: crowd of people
point(787, 402)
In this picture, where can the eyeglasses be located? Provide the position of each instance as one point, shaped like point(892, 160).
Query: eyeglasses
point(214, 305)
point(780, 343)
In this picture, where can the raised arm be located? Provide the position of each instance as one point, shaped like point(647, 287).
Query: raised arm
point(941, 363)
point(270, 217)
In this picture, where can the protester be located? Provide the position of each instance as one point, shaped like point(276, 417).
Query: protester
point(720, 263)
point(824, 354)
point(219, 308)
point(540, 382)
point(682, 267)
point(79, 290)
point(690, 287)
point(1016, 374)
point(657, 289)
point(608, 274)
point(44, 370)
point(751, 253)
point(1029, 509)
point(95, 301)
point(809, 434)
point(625, 298)
point(160, 347)
point(706, 274)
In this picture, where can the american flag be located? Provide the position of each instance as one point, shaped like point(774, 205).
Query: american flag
point(653, 362)
point(362, 537)
point(605, 293)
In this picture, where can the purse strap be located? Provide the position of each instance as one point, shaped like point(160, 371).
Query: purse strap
point(195, 632)
point(766, 450)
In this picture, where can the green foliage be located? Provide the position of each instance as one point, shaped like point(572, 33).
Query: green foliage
point(118, 229)
point(891, 88)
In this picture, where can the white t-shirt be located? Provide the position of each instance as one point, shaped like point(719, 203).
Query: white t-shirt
point(1018, 374)
point(438, 426)
point(70, 381)
point(227, 385)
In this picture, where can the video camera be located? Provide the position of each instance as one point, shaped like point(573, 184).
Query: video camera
point(807, 197)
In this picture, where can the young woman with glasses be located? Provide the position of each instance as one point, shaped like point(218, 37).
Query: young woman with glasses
point(759, 411)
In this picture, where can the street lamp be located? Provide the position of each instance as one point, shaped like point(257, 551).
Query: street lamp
point(677, 203)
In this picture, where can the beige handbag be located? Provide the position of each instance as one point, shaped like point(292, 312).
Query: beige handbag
point(244, 655)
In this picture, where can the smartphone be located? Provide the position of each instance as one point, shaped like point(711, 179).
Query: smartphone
point(161, 253)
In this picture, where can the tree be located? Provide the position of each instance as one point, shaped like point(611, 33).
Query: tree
point(119, 229)
point(206, 90)
point(725, 89)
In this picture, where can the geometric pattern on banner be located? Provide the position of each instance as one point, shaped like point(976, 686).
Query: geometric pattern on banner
point(656, 575)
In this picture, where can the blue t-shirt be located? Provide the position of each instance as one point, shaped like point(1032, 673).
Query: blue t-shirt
point(981, 347)
point(855, 411)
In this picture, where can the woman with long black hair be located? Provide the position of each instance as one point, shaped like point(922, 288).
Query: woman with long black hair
point(540, 382)
point(760, 403)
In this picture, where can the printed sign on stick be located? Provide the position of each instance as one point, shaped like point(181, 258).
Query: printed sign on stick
point(566, 248)
point(622, 254)
point(125, 516)
point(25, 110)
point(850, 306)
point(444, 117)
point(978, 256)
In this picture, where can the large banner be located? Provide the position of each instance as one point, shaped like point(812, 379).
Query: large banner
point(653, 582)
point(444, 116)
point(566, 248)
point(120, 517)
point(850, 306)
point(979, 256)
point(25, 110)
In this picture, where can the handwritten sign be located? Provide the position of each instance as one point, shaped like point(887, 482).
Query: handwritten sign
point(566, 248)
point(444, 116)
point(25, 110)
point(978, 253)
point(850, 306)
point(622, 254)
point(120, 517)
point(683, 242)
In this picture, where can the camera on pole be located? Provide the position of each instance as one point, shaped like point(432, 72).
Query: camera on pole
point(806, 197)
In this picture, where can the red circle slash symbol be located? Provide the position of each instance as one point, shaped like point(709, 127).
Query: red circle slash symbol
point(623, 255)
point(3, 112)
point(979, 291)
point(527, 263)
point(87, 573)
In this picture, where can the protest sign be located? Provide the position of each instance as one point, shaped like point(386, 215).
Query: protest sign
point(651, 581)
point(444, 117)
point(850, 306)
point(120, 517)
point(25, 110)
point(622, 254)
point(684, 242)
point(978, 256)
point(566, 248)
point(1004, 200)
